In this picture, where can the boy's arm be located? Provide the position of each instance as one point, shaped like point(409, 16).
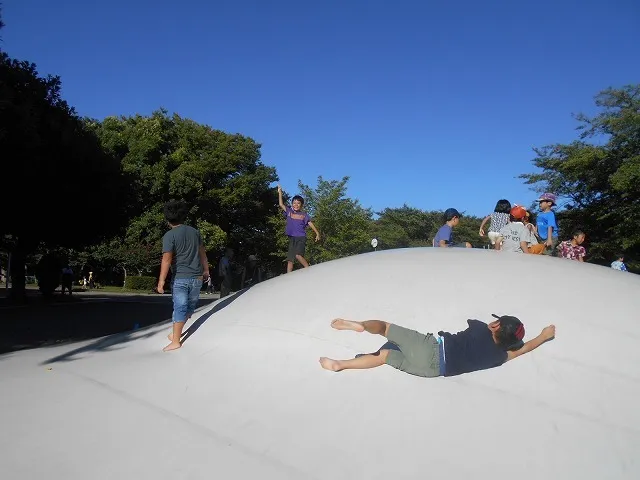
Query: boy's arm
point(549, 241)
point(167, 258)
point(445, 242)
point(280, 202)
point(204, 261)
point(524, 247)
point(315, 230)
point(547, 334)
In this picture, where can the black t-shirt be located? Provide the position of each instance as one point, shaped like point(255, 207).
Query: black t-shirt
point(472, 349)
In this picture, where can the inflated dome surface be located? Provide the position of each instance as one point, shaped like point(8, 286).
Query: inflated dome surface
point(245, 397)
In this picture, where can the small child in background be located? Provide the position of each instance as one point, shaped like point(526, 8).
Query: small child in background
point(499, 218)
point(297, 222)
point(514, 236)
point(546, 223)
point(444, 236)
point(573, 249)
point(619, 264)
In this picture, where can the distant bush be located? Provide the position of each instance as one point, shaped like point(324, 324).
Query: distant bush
point(140, 283)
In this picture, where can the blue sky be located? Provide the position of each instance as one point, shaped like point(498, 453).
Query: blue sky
point(433, 104)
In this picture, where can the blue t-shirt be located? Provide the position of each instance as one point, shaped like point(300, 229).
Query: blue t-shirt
point(471, 349)
point(445, 232)
point(544, 221)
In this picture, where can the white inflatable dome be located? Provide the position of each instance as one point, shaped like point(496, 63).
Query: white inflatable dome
point(245, 397)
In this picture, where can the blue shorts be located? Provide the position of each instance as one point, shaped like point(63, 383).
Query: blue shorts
point(185, 293)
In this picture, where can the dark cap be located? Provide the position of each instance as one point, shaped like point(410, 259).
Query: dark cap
point(449, 213)
point(511, 331)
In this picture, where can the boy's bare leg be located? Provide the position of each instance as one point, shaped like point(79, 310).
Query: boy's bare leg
point(289, 267)
point(170, 336)
point(302, 261)
point(376, 327)
point(177, 333)
point(363, 362)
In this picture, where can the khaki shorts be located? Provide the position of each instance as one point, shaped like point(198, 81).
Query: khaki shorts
point(419, 355)
point(552, 249)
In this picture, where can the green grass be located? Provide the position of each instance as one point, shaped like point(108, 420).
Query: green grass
point(114, 289)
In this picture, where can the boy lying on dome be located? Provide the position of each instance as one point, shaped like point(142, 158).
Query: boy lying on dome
point(481, 346)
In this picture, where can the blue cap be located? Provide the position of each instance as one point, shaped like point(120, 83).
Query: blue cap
point(449, 213)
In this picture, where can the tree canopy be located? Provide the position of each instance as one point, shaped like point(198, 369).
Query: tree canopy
point(65, 189)
point(597, 176)
point(218, 174)
point(95, 189)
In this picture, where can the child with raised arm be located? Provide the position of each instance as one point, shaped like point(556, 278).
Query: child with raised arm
point(481, 346)
point(183, 252)
point(297, 221)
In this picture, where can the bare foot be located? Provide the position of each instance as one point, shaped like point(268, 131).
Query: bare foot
point(330, 364)
point(172, 346)
point(342, 324)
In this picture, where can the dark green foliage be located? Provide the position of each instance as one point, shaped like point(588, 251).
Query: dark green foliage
point(140, 283)
point(597, 177)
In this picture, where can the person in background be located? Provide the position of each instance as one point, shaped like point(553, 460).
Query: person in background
point(546, 223)
point(252, 272)
point(514, 236)
point(67, 280)
point(444, 236)
point(225, 272)
point(573, 249)
point(499, 218)
point(296, 229)
point(619, 264)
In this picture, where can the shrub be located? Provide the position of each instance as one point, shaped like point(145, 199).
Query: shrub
point(140, 283)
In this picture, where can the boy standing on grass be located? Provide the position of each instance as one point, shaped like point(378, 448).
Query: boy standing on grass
point(183, 252)
point(297, 221)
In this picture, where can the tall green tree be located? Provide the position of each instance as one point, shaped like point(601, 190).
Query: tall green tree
point(404, 227)
point(597, 176)
point(345, 225)
point(220, 175)
point(64, 190)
